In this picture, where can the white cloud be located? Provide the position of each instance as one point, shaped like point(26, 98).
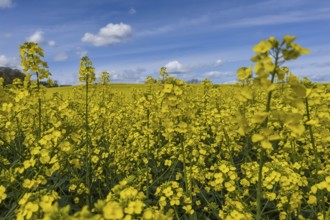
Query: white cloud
point(175, 67)
point(131, 11)
point(108, 35)
point(274, 19)
point(9, 62)
point(194, 21)
point(38, 37)
point(129, 75)
point(315, 67)
point(6, 4)
point(155, 31)
point(60, 57)
point(217, 74)
point(8, 35)
point(51, 43)
point(81, 52)
point(218, 62)
point(183, 23)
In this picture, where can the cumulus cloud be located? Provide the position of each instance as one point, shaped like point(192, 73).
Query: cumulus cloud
point(6, 3)
point(60, 57)
point(155, 31)
point(217, 74)
point(81, 52)
point(9, 62)
point(38, 37)
point(51, 43)
point(218, 62)
point(175, 67)
point(275, 19)
point(131, 11)
point(321, 64)
point(108, 35)
point(129, 75)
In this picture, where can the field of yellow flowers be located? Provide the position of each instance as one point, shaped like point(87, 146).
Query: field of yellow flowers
point(258, 149)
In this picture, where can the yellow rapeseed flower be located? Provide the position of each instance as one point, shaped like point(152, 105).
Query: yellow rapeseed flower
point(162, 201)
point(168, 191)
point(224, 168)
point(27, 183)
point(168, 88)
point(113, 210)
point(262, 47)
point(289, 39)
point(230, 186)
point(46, 203)
point(270, 196)
point(265, 136)
point(147, 214)
point(3, 195)
point(300, 50)
point(134, 207)
point(188, 209)
point(29, 209)
point(312, 200)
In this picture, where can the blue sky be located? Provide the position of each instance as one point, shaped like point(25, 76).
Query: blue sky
point(133, 39)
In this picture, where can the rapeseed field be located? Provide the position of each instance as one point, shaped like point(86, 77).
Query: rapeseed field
point(258, 149)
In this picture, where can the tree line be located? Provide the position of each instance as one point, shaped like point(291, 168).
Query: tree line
point(8, 75)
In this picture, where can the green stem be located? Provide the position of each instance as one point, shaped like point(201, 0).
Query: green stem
point(39, 100)
point(88, 159)
point(39, 106)
point(270, 93)
point(184, 166)
point(11, 147)
point(176, 214)
point(323, 205)
point(185, 172)
point(259, 186)
point(312, 137)
point(262, 152)
point(103, 94)
point(214, 212)
point(185, 176)
point(148, 153)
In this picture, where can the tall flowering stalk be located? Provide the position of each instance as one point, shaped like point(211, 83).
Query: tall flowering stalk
point(31, 62)
point(87, 75)
point(163, 75)
point(270, 54)
point(104, 80)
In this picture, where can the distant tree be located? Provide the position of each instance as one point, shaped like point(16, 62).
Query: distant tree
point(193, 81)
point(49, 83)
point(65, 85)
point(56, 83)
point(9, 74)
